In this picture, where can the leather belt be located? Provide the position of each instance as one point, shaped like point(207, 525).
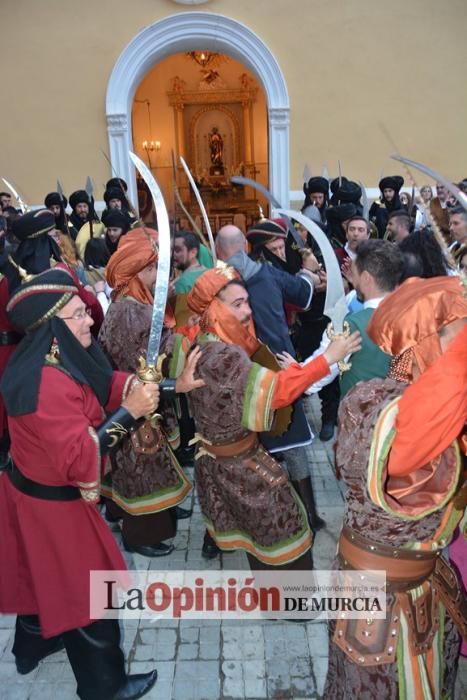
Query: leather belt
point(232, 449)
point(36, 490)
point(404, 568)
point(9, 338)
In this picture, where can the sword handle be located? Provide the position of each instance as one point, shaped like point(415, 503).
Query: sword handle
point(151, 374)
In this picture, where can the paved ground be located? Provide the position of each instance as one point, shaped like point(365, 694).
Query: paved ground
point(212, 660)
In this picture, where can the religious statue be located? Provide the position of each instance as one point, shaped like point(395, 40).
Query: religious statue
point(216, 145)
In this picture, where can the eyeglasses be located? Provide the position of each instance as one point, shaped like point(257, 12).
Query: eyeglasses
point(78, 316)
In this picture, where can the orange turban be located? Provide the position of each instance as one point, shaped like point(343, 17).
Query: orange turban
point(137, 250)
point(208, 285)
point(410, 317)
point(215, 316)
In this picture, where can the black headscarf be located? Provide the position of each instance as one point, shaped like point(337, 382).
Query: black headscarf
point(32, 309)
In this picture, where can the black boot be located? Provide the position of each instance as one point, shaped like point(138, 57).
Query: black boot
point(29, 646)
point(210, 549)
point(304, 489)
point(98, 664)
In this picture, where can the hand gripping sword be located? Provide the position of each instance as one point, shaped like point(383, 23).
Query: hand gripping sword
point(150, 369)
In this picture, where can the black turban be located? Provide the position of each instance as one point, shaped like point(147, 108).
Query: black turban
point(341, 212)
point(55, 198)
point(79, 197)
point(393, 182)
point(32, 309)
point(316, 184)
point(33, 224)
point(349, 192)
point(116, 218)
point(114, 193)
point(36, 246)
point(117, 183)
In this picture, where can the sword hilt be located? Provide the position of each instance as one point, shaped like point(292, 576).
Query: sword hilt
point(151, 374)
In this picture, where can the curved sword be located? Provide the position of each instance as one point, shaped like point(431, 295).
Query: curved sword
point(453, 189)
point(163, 263)
point(22, 204)
point(239, 180)
point(335, 305)
point(203, 209)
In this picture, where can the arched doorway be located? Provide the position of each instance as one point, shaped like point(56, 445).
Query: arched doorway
point(208, 108)
point(188, 31)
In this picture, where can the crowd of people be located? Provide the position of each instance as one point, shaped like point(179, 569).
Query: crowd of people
point(244, 341)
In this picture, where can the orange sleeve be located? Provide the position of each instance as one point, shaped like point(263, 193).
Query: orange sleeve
point(292, 382)
point(432, 411)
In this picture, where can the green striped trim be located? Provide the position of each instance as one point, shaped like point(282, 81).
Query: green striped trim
point(277, 551)
point(178, 355)
point(257, 412)
point(379, 452)
point(151, 502)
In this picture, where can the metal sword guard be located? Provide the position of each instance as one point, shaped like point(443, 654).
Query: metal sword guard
point(333, 335)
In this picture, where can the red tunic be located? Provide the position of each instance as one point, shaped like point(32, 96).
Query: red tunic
point(48, 548)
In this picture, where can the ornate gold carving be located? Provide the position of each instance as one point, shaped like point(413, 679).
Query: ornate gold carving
point(332, 335)
point(116, 433)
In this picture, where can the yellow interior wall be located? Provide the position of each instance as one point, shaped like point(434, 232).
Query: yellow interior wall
point(350, 66)
point(154, 87)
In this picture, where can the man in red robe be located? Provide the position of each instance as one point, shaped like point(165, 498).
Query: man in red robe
point(56, 388)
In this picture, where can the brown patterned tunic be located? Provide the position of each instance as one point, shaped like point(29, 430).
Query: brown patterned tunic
point(140, 484)
point(242, 508)
point(346, 680)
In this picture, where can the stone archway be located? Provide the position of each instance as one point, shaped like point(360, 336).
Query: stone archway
point(186, 32)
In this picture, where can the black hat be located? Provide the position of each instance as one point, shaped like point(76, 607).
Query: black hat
point(33, 224)
point(341, 212)
point(349, 192)
point(264, 231)
point(33, 308)
point(116, 218)
point(37, 300)
point(96, 253)
point(334, 184)
point(79, 197)
point(55, 198)
point(316, 184)
point(393, 182)
point(114, 193)
point(117, 183)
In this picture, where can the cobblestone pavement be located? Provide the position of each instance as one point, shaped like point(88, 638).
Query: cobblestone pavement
point(212, 660)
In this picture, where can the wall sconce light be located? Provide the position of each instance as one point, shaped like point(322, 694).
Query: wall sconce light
point(150, 147)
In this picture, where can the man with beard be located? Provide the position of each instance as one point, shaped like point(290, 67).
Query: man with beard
point(316, 193)
point(388, 202)
point(269, 289)
point(57, 204)
point(81, 209)
point(185, 256)
point(147, 483)
point(244, 494)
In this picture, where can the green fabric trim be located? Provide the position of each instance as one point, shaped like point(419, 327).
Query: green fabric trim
point(250, 401)
point(381, 459)
point(271, 549)
point(177, 359)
